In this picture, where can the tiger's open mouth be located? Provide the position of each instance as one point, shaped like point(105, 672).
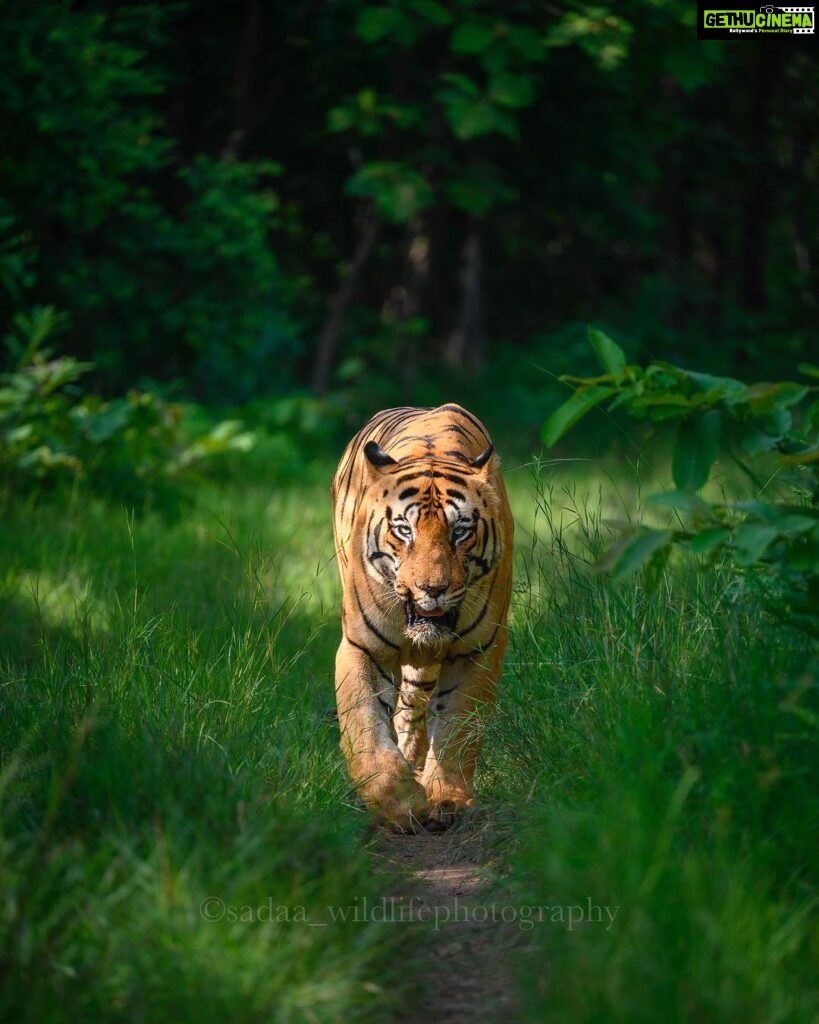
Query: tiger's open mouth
point(443, 622)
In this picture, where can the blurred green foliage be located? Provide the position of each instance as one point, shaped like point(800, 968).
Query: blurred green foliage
point(136, 448)
point(189, 182)
point(164, 264)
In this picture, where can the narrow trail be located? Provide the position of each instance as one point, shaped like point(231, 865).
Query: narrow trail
point(445, 881)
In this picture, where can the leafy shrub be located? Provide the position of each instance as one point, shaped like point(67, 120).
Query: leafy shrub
point(756, 426)
point(165, 264)
point(134, 447)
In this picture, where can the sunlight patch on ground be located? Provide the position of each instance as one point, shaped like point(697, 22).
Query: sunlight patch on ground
point(65, 603)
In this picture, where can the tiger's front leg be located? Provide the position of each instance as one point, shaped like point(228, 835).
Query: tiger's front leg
point(467, 691)
point(410, 719)
point(379, 771)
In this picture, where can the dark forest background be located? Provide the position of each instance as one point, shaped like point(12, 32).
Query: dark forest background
point(230, 201)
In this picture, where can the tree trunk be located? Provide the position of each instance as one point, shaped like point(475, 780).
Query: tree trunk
point(465, 347)
point(328, 339)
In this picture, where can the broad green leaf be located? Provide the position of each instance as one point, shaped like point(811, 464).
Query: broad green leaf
point(470, 118)
point(732, 391)
point(608, 352)
point(110, 420)
point(682, 501)
point(660, 415)
point(751, 540)
point(706, 540)
point(795, 524)
point(776, 422)
point(653, 400)
point(764, 398)
point(762, 510)
point(631, 553)
point(566, 415)
point(628, 396)
point(664, 375)
point(809, 369)
point(399, 191)
point(340, 119)
point(604, 378)
point(511, 90)
point(471, 38)
point(754, 442)
point(462, 82)
point(695, 450)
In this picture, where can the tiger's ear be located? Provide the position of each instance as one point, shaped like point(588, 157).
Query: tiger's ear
point(481, 460)
point(377, 456)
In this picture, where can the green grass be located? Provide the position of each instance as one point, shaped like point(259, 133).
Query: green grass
point(164, 684)
point(665, 737)
point(163, 691)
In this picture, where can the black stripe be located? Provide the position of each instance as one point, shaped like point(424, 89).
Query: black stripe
point(469, 654)
point(477, 621)
point(457, 429)
point(467, 415)
point(408, 707)
point(485, 607)
point(414, 476)
point(354, 449)
point(445, 693)
point(384, 675)
point(370, 624)
point(482, 563)
point(422, 684)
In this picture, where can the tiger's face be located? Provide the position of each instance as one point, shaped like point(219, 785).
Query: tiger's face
point(431, 534)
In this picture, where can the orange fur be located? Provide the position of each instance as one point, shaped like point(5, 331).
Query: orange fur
point(423, 535)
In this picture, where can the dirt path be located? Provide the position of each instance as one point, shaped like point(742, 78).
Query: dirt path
point(445, 880)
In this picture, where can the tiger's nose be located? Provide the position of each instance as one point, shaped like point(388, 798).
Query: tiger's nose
point(431, 589)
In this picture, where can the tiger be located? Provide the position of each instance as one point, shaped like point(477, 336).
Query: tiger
point(423, 537)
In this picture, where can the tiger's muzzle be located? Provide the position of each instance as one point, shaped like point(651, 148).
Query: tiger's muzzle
point(429, 624)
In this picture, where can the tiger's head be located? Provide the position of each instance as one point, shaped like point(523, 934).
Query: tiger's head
point(431, 534)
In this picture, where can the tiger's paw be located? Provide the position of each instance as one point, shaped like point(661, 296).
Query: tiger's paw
point(405, 816)
point(398, 803)
point(445, 814)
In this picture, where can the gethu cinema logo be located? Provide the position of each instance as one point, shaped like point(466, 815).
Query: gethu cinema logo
point(768, 17)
